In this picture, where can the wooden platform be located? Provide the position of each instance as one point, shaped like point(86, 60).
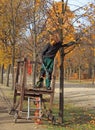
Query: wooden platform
point(35, 91)
point(40, 90)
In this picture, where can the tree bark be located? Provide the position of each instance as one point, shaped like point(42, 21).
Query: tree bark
point(2, 73)
point(34, 50)
point(53, 84)
point(8, 73)
point(61, 92)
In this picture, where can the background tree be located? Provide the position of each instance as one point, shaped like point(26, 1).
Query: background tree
point(85, 31)
point(11, 23)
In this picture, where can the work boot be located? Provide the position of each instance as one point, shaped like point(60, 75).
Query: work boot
point(40, 83)
point(48, 88)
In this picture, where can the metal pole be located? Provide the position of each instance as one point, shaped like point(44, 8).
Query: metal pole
point(28, 113)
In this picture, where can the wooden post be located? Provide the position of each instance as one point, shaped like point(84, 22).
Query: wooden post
point(23, 85)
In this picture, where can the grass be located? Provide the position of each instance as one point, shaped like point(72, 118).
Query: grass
point(75, 118)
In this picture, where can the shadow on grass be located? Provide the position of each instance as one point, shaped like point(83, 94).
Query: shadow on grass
point(77, 115)
point(74, 116)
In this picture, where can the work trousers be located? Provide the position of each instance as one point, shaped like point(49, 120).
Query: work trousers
point(46, 70)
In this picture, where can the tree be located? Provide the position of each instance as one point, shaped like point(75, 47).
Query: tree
point(59, 21)
point(86, 48)
point(11, 24)
point(34, 13)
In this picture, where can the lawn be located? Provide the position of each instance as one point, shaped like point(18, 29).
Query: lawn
point(75, 118)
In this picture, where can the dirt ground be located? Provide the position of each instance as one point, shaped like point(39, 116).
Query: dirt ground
point(82, 95)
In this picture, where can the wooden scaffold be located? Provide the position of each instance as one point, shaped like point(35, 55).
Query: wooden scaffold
point(24, 92)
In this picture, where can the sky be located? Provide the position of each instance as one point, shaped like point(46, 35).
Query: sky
point(77, 3)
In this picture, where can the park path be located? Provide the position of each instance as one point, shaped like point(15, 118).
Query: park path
point(82, 95)
point(79, 94)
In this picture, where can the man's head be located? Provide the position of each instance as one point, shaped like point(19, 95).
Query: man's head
point(54, 39)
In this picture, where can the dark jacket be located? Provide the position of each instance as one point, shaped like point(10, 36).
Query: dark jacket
point(51, 50)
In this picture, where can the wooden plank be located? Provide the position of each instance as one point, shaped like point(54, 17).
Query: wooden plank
point(35, 92)
point(40, 90)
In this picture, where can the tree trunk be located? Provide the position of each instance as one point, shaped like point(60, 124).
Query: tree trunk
point(61, 92)
point(13, 61)
point(2, 73)
point(53, 83)
point(13, 42)
point(34, 50)
point(8, 73)
point(93, 75)
point(79, 73)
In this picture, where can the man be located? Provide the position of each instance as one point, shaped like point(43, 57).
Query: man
point(48, 55)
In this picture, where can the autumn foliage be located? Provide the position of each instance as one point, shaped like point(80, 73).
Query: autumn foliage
point(26, 26)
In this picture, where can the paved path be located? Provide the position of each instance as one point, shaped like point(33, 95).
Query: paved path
point(79, 94)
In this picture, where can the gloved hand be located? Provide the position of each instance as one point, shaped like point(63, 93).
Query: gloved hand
point(77, 39)
point(71, 43)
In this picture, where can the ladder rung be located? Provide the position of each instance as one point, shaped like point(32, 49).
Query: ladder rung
point(35, 100)
point(34, 117)
point(35, 109)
